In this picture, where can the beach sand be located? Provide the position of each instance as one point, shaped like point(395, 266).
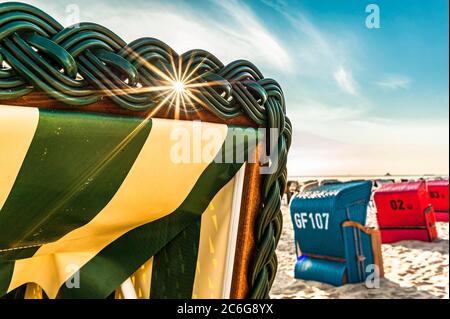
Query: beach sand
point(413, 269)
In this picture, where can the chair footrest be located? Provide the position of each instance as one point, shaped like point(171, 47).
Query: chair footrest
point(327, 271)
point(398, 234)
point(441, 216)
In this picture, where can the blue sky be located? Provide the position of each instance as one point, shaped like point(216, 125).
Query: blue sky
point(362, 101)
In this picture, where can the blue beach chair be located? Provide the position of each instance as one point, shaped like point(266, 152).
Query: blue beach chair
point(331, 241)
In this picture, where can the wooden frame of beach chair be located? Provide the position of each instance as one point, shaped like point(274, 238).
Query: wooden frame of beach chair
point(87, 68)
point(375, 237)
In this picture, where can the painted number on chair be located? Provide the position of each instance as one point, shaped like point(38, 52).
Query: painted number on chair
point(398, 204)
point(313, 220)
point(436, 195)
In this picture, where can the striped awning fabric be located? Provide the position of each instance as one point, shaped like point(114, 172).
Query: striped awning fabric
point(103, 198)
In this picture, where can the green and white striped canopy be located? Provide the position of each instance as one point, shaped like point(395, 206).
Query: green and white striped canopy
point(102, 196)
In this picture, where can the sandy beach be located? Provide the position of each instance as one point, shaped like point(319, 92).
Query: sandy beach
point(413, 269)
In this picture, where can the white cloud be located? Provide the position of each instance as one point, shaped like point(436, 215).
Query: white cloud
point(320, 57)
point(345, 80)
point(310, 111)
point(253, 36)
point(278, 5)
point(318, 53)
point(395, 83)
point(236, 34)
point(314, 54)
point(372, 146)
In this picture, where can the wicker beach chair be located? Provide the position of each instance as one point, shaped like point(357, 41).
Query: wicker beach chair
point(329, 181)
point(331, 241)
point(438, 197)
point(292, 187)
point(89, 126)
point(308, 184)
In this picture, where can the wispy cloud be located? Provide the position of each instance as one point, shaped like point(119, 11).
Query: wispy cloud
point(319, 62)
point(377, 146)
point(345, 81)
point(237, 33)
point(313, 110)
point(253, 36)
point(314, 54)
point(279, 5)
point(318, 52)
point(320, 57)
point(395, 83)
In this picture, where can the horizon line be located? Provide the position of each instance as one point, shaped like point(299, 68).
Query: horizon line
point(368, 175)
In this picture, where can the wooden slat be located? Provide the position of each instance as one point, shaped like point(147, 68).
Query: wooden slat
point(105, 106)
point(245, 243)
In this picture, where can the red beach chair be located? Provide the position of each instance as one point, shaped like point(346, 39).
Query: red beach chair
point(438, 197)
point(404, 212)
